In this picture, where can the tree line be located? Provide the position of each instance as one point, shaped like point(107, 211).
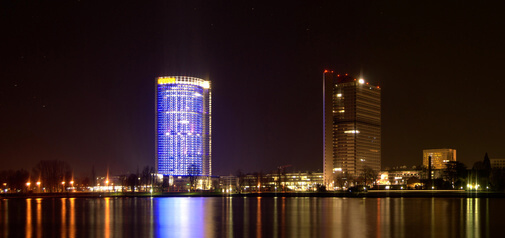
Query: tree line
point(49, 174)
point(55, 176)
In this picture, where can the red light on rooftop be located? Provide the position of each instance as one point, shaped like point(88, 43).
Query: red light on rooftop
point(332, 71)
point(338, 75)
point(345, 74)
point(326, 71)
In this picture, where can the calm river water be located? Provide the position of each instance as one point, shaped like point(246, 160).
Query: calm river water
point(252, 217)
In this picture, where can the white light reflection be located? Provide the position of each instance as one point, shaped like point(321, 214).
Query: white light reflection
point(246, 217)
point(229, 217)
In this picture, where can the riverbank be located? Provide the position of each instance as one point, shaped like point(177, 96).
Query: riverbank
point(368, 194)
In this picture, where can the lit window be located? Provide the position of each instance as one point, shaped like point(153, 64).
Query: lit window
point(351, 132)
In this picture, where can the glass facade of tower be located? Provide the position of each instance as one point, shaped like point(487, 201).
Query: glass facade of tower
point(183, 126)
point(352, 126)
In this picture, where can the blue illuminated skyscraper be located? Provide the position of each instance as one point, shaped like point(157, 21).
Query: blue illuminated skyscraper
point(183, 126)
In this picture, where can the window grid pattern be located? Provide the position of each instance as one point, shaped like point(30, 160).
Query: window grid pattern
point(180, 132)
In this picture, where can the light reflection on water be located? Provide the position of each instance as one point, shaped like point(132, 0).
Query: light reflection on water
point(28, 227)
point(251, 217)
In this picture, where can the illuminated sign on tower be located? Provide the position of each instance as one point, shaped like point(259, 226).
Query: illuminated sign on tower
point(183, 126)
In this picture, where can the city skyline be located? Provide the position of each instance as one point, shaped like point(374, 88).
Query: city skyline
point(77, 84)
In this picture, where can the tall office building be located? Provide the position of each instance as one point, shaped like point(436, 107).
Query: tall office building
point(439, 157)
point(183, 126)
point(352, 126)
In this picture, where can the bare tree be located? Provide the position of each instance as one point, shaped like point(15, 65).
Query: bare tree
point(15, 180)
point(132, 181)
point(52, 173)
point(340, 179)
point(147, 176)
point(369, 174)
point(240, 176)
point(193, 172)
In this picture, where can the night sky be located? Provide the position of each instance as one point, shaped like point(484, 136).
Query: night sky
point(77, 78)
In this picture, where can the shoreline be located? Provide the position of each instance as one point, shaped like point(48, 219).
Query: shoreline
point(368, 194)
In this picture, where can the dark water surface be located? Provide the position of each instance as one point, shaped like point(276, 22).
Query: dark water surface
point(252, 217)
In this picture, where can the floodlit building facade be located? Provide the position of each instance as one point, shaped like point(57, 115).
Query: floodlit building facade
point(352, 126)
point(439, 157)
point(183, 126)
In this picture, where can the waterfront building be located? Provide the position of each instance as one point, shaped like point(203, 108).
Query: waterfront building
point(273, 182)
point(296, 181)
point(183, 126)
point(401, 175)
point(189, 183)
point(439, 157)
point(229, 184)
point(497, 163)
point(352, 126)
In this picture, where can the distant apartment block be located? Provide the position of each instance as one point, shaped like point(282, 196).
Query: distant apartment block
point(439, 157)
point(497, 163)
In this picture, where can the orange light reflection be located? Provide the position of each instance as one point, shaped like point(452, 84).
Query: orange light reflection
point(63, 217)
point(39, 217)
point(72, 229)
point(28, 228)
point(258, 219)
point(107, 218)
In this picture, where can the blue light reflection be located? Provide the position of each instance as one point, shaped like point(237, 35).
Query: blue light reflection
point(180, 217)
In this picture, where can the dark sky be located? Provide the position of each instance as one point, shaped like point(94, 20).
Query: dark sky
point(77, 78)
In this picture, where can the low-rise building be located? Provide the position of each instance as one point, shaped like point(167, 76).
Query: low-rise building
point(283, 182)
